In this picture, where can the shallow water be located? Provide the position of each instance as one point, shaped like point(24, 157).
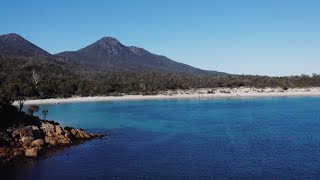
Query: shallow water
point(188, 139)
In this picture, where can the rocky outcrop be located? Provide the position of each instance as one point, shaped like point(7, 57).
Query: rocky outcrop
point(32, 141)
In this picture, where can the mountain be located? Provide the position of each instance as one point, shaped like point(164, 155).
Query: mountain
point(104, 55)
point(15, 45)
point(109, 53)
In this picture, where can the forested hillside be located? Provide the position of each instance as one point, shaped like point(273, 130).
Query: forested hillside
point(27, 71)
point(43, 78)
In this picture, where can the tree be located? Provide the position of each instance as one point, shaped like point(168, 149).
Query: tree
point(35, 77)
point(18, 95)
point(5, 102)
point(45, 113)
point(32, 109)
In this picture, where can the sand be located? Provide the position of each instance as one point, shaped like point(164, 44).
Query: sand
point(205, 93)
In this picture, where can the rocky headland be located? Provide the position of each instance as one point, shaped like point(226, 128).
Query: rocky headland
point(37, 139)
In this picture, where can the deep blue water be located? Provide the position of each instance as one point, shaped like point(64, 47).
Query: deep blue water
point(188, 139)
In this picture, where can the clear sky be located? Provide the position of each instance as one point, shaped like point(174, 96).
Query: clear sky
point(265, 37)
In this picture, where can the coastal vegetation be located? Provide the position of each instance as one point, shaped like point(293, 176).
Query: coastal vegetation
point(61, 79)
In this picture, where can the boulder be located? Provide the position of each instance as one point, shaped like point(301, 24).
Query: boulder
point(48, 128)
point(58, 130)
point(51, 140)
point(2, 134)
point(62, 140)
point(26, 140)
point(16, 133)
point(4, 138)
point(32, 152)
point(82, 134)
point(4, 155)
point(2, 149)
point(35, 128)
point(73, 132)
point(17, 153)
point(26, 131)
point(37, 143)
point(66, 134)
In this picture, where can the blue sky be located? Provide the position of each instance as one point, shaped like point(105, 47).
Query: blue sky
point(265, 37)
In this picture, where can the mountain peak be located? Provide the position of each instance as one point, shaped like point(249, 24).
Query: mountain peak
point(110, 41)
point(106, 45)
point(14, 44)
point(11, 37)
point(108, 52)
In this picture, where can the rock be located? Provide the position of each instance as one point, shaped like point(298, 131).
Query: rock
point(4, 155)
point(73, 132)
point(48, 128)
point(63, 140)
point(58, 130)
point(5, 137)
point(82, 134)
point(51, 140)
point(26, 140)
point(97, 135)
point(2, 149)
point(32, 152)
point(26, 131)
point(29, 140)
point(66, 134)
point(37, 143)
point(17, 153)
point(35, 128)
point(2, 134)
point(13, 144)
point(16, 133)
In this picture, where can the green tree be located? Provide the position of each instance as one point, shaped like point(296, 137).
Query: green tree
point(32, 109)
point(45, 113)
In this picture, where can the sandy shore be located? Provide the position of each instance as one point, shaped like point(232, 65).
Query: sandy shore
point(206, 93)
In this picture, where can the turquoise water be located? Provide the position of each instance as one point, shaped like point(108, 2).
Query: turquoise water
point(188, 139)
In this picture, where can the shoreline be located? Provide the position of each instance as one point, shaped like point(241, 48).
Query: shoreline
point(37, 138)
point(203, 94)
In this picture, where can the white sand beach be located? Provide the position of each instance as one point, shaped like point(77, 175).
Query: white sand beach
point(205, 93)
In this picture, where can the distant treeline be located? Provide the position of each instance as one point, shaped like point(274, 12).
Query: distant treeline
point(43, 78)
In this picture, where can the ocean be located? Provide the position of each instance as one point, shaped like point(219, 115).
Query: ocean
point(245, 138)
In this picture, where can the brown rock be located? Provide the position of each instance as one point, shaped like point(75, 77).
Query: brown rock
point(16, 133)
point(2, 149)
point(66, 134)
point(26, 140)
point(48, 128)
point(63, 140)
point(82, 134)
point(73, 132)
point(26, 131)
point(32, 152)
point(35, 128)
point(51, 140)
point(58, 130)
point(5, 154)
point(17, 153)
point(37, 143)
